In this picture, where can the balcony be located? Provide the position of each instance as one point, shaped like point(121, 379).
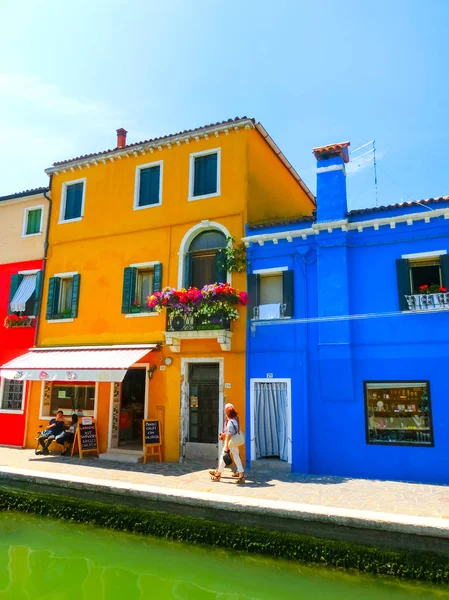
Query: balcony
point(188, 326)
point(426, 302)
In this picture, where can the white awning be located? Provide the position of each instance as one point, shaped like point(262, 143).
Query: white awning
point(23, 293)
point(98, 363)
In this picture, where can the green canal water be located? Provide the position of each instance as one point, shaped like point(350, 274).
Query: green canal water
point(43, 559)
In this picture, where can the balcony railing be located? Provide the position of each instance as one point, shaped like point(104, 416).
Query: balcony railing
point(438, 301)
point(189, 322)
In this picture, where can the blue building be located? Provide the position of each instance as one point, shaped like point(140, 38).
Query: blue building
point(348, 343)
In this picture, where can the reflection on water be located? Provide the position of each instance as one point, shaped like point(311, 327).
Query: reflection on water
point(41, 559)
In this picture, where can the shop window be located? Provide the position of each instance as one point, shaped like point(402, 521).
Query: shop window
point(205, 264)
point(63, 296)
point(148, 186)
point(32, 221)
point(426, 273)
point(139, 282)
point(70, 398)
point(271, 294)
point(72, 201)
point(204, 174)
point(398, 413)
point(12, 396)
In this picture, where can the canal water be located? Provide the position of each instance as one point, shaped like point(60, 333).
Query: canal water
point(43, 559)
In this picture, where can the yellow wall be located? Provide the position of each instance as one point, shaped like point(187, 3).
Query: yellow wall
point(14, 247)
point(272, 191)
point(112, 236)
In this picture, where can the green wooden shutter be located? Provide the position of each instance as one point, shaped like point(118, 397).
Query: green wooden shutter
point(75, 295)
point(220, 270)
point(205, 175)
point(253, 294)
point(129, 288)
point(37, 294)
point(403, 277)
point(73, 201)
point(53, 297)
point(34, 221)
point(187, 270)
point(157, 278)
point(14, 284)
point(444, 264)
point(149, 186)
point(288, 292)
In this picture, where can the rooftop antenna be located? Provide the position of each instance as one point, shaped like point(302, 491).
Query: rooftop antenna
point(375, 171)
point(364, 158)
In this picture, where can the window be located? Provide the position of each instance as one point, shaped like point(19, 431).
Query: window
point(139, 282)
point(63, 296)
point(12, 397)
point(71, 398)
point(419, 276)
point(204, 264)
point(271, 294)
point(148, 186)
point(32, 221)
point(24, 293)
point(72, 201)
point(204, 174)
point(398, 413)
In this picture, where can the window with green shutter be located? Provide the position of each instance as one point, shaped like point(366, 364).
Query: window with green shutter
point(138, 284)
point(149, 186)
point(205, 178)
point(204, 261)
point(33, 221)
point(73, 201)
point(63, 297)
point(271, 294)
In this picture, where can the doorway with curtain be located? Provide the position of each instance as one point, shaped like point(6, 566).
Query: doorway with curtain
point(271, 419)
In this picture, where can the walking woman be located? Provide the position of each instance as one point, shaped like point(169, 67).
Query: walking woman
point(232, 438)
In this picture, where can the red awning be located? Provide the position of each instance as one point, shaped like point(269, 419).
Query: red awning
point(87, 363)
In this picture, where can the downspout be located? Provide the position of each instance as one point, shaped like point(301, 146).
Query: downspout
point(44, 262)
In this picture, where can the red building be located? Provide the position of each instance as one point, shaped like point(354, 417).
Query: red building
point(23, 228)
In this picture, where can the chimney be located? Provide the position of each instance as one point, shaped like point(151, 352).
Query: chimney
point(121, 137)
point(331, 199)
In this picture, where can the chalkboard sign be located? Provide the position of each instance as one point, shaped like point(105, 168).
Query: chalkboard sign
point(87, 436)
point(152, 442)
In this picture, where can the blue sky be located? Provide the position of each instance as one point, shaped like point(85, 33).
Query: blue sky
point(312, 73)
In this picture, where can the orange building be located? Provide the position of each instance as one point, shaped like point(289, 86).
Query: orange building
point(128, 222)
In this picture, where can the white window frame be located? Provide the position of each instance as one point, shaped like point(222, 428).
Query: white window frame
point(25, 220)
point(65, 185)
point(139, 168)
point(193, 156)
point(8, 411)
point(252, 403)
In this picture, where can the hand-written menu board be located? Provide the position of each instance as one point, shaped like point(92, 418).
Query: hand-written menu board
point(88, 435)
point(151, 432)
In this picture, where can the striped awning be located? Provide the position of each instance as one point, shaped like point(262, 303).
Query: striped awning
point(23, 293)
point(97, 363)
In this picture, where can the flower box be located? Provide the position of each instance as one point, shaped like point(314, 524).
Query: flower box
point(436, 301)
point(12, 321)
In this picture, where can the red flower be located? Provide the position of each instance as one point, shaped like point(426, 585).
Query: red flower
point(423, 287)
point(442, 289)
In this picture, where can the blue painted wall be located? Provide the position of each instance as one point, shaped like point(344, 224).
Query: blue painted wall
point(342, 273)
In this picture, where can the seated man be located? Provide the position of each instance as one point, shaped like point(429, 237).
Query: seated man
point(68, 436)
point(56, 427)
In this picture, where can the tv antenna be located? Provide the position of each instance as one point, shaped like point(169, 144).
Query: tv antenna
point(364, 155)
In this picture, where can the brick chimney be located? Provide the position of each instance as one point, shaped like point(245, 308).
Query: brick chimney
point(121, 137)
point(331, 198)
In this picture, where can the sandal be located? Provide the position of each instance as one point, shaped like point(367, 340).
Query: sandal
point(213, 472)
point(241, 479)
point(216, 477)
point(235, 474)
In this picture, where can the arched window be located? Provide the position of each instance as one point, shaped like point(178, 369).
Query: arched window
point(204, 259)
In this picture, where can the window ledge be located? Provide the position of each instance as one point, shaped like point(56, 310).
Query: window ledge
point(145, 314)
point(63, 221)
point(28, 235)
point(69, 320)
point(9, 411)
point(147, 206)
point(192, 198)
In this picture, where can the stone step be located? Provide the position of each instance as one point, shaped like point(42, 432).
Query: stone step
point(269, 465)
point(124, 456)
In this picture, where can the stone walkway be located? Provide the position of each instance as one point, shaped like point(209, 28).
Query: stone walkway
point(415, 500)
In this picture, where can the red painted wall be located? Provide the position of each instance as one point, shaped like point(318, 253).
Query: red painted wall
point(13, 342)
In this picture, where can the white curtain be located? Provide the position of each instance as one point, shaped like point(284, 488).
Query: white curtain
point(271, 420)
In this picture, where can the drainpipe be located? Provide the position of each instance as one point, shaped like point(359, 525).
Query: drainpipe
point(44, 262)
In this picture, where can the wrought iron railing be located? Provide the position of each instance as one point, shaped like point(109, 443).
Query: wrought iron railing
point(188, 322)
point(436, 301)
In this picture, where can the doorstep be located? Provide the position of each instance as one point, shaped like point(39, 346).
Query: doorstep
point(125, 456)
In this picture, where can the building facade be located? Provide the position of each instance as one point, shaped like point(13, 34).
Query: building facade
point(348, 336)
point(125, 224)
point(23, 226)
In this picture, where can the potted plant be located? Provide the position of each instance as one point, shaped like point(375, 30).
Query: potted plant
point(18, 321)
point(431, 296)
point(135, 308)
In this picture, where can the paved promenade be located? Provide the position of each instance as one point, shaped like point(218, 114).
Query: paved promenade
point(328, 494)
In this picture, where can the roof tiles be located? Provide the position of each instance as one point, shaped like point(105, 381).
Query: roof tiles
point(362, 211)
point(33, 192)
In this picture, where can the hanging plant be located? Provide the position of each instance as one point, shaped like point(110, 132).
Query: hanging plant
point(232, 258)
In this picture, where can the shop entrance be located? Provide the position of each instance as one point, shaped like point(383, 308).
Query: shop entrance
point(132, 410)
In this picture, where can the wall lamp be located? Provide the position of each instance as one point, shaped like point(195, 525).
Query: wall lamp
point(151, 371)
